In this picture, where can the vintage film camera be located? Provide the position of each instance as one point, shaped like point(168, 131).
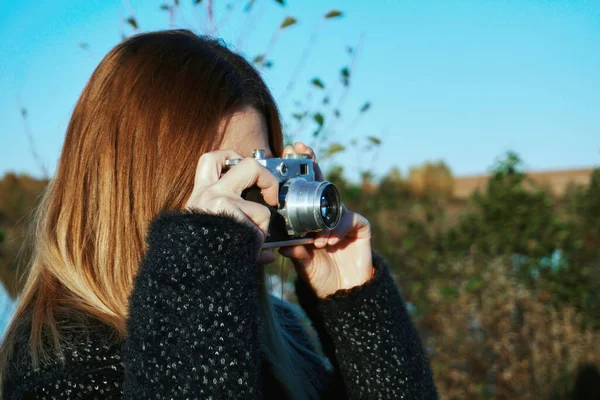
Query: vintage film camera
point(305, 205)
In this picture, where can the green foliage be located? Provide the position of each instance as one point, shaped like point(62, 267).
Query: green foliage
point(514, 217)
point(552, 243)
point(374, 140)
point(132, 21)
point(259, 59)
point(583, 210)
point(509, 217)
point(333, 14)
point(333, 149)
point(318, 83)
point(432, 180)
point(320, 120)
point(345, 76)
point(288, 21)
point(18, 196)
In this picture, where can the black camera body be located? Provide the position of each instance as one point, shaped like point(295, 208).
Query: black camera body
point(305, 205)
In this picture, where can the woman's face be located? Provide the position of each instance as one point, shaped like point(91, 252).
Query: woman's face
point(247, 130)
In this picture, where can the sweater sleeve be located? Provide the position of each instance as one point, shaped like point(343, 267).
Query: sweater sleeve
point(192, 330)
point(367, 334)
point(89, 366)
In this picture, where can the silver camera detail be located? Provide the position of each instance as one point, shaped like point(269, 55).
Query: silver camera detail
point(305, 205)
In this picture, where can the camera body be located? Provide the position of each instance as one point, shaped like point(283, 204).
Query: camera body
point(305, 205)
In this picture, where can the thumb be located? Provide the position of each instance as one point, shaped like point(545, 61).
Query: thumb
point(301, 258)
point(300, 255)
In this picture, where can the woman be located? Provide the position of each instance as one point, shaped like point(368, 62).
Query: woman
point(147, 280)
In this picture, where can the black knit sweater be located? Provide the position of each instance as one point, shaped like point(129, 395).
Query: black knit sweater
point(193, 330)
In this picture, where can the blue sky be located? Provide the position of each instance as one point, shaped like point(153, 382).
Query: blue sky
point(463, 81)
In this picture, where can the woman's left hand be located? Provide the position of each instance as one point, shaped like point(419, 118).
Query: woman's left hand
point(340, 259)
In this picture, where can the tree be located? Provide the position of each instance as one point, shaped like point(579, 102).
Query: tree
point(512, 216)
point(433, 179)
point(583, 205)
point(19, 195)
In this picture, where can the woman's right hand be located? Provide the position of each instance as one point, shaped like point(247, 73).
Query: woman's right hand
point(216, 194)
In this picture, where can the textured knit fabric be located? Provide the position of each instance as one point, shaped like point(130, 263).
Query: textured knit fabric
point(193, 330)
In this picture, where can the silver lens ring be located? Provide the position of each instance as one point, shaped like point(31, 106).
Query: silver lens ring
point(312, 206)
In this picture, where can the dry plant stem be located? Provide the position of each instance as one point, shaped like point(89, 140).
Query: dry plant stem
point(303, 58)
point(31, 140)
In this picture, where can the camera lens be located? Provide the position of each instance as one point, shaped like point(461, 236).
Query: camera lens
point(311, 206)
point(329, 205)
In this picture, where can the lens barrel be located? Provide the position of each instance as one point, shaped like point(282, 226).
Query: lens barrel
point(312, 205)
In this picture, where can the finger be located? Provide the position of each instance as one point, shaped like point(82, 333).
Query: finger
point(301, 257)
point(352, 225)
point(210, 166)
point(287, 150)
point(322, 239)
point(331, 237)
point(241, 216)
point(248, 173)
point(266, 257)
point(300, 254)
point(253, 213)
point(333, 240)
point(301, 148)
point(258, 214)
point(345, 225)
point(318, 173)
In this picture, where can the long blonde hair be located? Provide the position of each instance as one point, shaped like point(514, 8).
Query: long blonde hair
point(149, 110)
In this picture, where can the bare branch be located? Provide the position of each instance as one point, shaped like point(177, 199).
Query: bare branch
point(305, 53)
point(255, 13)
point(210, 10)
point(29, 135)
point(223, 21)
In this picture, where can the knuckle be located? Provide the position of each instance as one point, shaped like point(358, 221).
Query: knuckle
point(272, 179)
point(250, 163)
point(207, 157)
point(254, 166)
point(264, 212)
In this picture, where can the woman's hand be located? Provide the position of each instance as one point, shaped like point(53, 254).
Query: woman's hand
point(217, 194)
point(340, 259)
